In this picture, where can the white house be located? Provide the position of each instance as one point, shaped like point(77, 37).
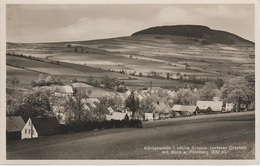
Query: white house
point(148, 116)
point(229, 107)
point(29, 130)
point(67, 90)
point(111, 110)
point(128, 93)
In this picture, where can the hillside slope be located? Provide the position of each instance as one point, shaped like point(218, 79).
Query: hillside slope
point(210, 36)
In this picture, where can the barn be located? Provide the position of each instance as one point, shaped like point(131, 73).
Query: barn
point(14, 127)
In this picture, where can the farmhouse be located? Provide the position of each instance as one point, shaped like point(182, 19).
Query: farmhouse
point(176, 108)
point(119, 116)
point(216, 106)
point(187, 110)
point(29, 130)
point(46, 126)
point(14, 127)
point(162, 108)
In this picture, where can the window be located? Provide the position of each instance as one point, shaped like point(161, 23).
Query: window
point(29, 123)
point(29, 131)
point(25, 131)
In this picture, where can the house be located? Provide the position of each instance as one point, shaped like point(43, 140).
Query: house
point(92, 100)
point(162, 108)
point(108, 117)
point(14, 127)
point(111, 109)
point(46, 126)
point(119, 116)
point(29, 130)
point(229, 107)
point(67, 90)
point(78, 86)
point(148, 116)
point(128, 93)
point(176, 107)
point(216, 106)
point(187, 110)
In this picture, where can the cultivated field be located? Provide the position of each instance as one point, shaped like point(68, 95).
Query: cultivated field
point(221, 130)
point(167, 53)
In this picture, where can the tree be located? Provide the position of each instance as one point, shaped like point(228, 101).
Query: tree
point(35, 104)
point(208, 91)
point(107, 81)
point(132, 103)
point(239, 90)
point(146, 102)
point(75, 105)
point(14, 81)
point(168, 76)
point(50, 80)
point(41, 83)
point(89, 91)
point(219, 82)
point(90, 79)
point(178, 74)
point(33, 84)
point(140, 74)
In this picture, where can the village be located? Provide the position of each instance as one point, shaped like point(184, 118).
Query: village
point(55, 107)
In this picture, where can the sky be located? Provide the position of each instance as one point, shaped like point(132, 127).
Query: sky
point(54, 23)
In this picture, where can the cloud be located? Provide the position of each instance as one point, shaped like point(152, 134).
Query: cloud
point(87, 28)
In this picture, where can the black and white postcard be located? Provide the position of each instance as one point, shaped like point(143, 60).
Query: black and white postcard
point(129, 82)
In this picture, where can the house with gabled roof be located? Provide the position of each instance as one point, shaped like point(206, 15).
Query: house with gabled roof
point(67, 90)
point(216, 106)
point(14, 127)
point(160, 107)
point(119, 116)
point(176, 107)
point(46, 126)
point(29, 130)
point(187, 110)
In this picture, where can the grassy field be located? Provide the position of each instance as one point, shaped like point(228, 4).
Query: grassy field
point(167, 53)
point(223, 130)
point(69, 71)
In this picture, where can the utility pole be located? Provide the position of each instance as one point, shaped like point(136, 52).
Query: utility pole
point(151, 85)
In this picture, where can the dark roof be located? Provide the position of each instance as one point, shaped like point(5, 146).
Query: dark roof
point(14, 123)
point(46, 126)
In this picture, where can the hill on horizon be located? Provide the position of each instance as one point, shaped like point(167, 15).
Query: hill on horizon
point(207, 35)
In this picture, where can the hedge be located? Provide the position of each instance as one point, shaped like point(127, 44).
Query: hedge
point(76, 127)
